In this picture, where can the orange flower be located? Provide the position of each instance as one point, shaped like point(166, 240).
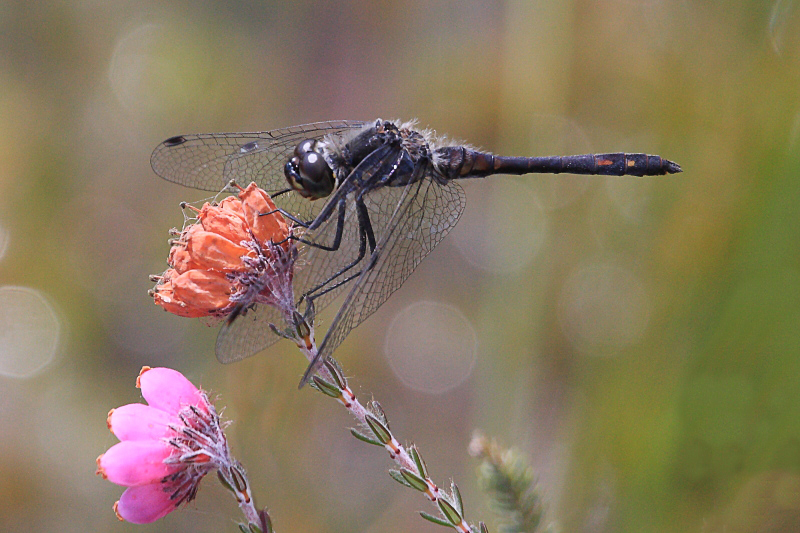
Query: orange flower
point(228, 257)
point(255, 203)
point(226, 220)
point(212, 251)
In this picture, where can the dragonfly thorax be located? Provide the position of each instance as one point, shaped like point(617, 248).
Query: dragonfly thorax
point(307, 171)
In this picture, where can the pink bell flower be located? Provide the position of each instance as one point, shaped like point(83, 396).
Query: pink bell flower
point(166, 447)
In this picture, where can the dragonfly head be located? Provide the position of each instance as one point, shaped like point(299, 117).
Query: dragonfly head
point(307, 171)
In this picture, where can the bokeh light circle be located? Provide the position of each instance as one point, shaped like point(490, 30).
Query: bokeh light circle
point(431, 347)
point(29, 332)
point(134, 59)
point(782, 29)
point(504, 229)
point(603, 306)
point(3, 242)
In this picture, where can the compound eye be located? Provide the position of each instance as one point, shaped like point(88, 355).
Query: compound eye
point(309, 145)
point(312, 167)
point(308, 173)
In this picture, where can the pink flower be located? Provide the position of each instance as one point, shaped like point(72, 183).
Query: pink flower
point(166, 447)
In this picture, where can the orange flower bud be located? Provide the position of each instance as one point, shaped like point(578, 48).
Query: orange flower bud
point(214, 252)
point(180, 259)
point(202, 291)
point(270, 227)
point(225, 222)
point(164, 295)
point(232, 204)
point(169, 275)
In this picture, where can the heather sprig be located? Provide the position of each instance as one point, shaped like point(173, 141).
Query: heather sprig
point(508, 480)
point(373, 428)
point(167, 447)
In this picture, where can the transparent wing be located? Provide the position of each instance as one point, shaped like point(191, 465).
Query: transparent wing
point(424, 212)
point(318, 266)
point(248, 334)
point(208, 161)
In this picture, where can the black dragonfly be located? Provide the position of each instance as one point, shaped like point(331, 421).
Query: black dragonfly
point(374, 198)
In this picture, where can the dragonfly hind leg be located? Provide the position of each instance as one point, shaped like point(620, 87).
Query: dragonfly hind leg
point(366, 237)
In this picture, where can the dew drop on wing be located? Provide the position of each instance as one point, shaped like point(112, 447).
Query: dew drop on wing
point(175, 141)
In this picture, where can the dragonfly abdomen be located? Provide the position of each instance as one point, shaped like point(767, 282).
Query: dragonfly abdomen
point(461, 162)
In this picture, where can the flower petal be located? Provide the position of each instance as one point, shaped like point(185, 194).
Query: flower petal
point(164, 295)
point(136, 462)
point(144, 504)
point(137, 421)
point(169, 390)
point(214, 252)
point(180, 259)
point(202, 291)
point(225, 222)
point(255, 204)
point(234, 205)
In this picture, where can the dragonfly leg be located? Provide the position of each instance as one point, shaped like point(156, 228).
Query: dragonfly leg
point(365, 233)
point(364, 222)
point(288, 215)
point(365, 230)
point(337, 238)
point(366, 236)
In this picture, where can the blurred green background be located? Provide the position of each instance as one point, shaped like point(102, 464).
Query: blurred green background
point(638, 340)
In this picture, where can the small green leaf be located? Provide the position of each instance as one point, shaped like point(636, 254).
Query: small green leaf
point(266, 520)
point(308, 314)
point(377, 410)
point(422, 468)
point(381, 432)
point(431, 518)
point(336, 371)
point(449, 511)
point(360, 436)
point(224, 481)
point(326, 388)
point(254, 528)
point(301, 326)
point(243, 528)
point(397, 476)
point(239, 478)
point(414, 480)
point(457, 497)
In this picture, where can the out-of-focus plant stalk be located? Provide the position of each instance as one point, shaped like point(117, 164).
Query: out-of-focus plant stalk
point(509, 482)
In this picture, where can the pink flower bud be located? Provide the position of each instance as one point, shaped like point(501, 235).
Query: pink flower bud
point(137, 421)
point(135, 462)
point(169, 390)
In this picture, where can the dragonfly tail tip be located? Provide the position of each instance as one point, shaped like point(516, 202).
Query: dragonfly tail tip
point(672, 167)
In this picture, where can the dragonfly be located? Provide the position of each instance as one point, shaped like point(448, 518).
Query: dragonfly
point(374, 199)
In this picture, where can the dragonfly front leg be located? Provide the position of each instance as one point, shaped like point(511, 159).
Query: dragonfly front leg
point(337, 238)
point(341, 203)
